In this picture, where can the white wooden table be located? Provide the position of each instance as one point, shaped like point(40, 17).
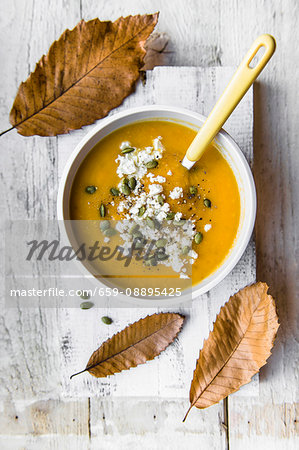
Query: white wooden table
point(215, 33)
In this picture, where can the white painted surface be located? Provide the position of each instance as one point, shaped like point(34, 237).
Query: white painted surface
point(205, 34)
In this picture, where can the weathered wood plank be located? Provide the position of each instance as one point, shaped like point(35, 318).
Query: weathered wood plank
point(30, 362)
point(202, 34)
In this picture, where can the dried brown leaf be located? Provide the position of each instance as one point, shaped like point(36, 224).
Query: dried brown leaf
point(86, 73)
point(238, 346)
point(136, 344)
point(159, 51)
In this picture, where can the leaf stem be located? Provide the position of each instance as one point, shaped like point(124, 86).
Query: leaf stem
point(6, 131)
point(187, 413)
point(78, 373)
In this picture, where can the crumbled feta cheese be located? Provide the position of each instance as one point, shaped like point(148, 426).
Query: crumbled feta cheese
point(157, 143)
point(121, 207)
point(126, 165)
point(207, 227)
point(158, 178)
point(178, 216)
point(155, 189)
point(161, 216)
point(124, 145)
point(134, 164)
point(183, 275)
point(193, 254)
point(145, 155)
point(177, 192)
point(106, 239)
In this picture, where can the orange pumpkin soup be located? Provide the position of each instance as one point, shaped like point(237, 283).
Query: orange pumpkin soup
point(136, 173)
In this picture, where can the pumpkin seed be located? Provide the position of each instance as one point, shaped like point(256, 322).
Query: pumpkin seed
point(170, 215)
point(134, 228)
point(114, 191)
point(86, 305)
point(160, 200)
point(124, 181)
point(125, 189)
point(110, 232)
point(90, 189)
point(150, 223)
point(104, 225)
point(161, 242)
point(137, 234)
point(151, 164)
point(207, 203)
point(193, 190)
point(162, 256)
point(140, 243)
point(102, 210)
point(186, 250)
point(198, 237)
point(141, 211)
point(84, 295)
point(153, 261)
point(132, 183)
point(127, 150)
point(106, 320)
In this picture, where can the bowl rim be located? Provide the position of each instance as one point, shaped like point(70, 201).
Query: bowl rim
point(240, 245)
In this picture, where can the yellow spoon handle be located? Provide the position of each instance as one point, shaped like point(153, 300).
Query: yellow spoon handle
point(233, 93)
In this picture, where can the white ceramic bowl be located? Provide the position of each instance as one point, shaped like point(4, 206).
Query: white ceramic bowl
point(226, 145)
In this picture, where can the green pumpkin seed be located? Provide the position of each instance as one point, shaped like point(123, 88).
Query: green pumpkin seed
point(125, 181)
point(104, 225)
point(137, 234)
point(141, 211)
point(207, 203)
point(198, 237)
point(114, 191)
point(132, 183)
point(84, 295)
point(125, 189)
point(86, 305)
point(153, 261)
point(127, 150)
point(161, 242)
point(110, 232)
point(162, 256)
point(140, 243)
point(150, 222)
point(102, 210)
point(170, 215)
point(151, 164)
point(160, 199)
point(106, 320)
point(193, 190)
point(90, 189)
point(147, 262)
point(134, 228)
point(186, 250)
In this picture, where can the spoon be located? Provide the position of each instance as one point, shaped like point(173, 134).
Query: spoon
point(241, 81)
